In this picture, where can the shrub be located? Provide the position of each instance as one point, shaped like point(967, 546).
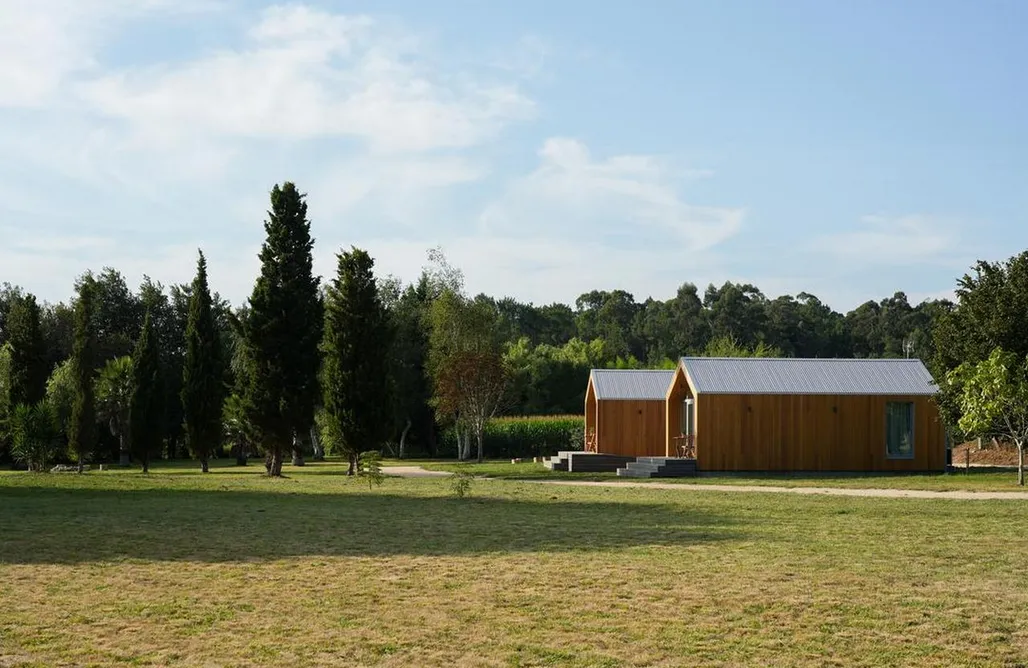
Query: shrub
point(528, 436)
point(36, 435)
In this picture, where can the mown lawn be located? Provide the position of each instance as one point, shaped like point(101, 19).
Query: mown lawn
point(234, 569)
point(981, 480)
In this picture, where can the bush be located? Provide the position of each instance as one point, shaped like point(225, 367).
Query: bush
point(36, 435)
point(530, 436)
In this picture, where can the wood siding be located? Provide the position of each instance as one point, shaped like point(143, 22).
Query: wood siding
point(590, 410)
point(810, 433)
point(634, 428)
point(677, 393)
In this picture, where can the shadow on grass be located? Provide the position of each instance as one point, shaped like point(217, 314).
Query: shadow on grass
point(72, 525)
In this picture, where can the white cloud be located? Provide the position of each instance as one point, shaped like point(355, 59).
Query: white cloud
point(628, 199)
point(896, 240)
point(302, 73)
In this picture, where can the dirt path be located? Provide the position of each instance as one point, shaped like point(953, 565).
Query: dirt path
point(418, 472)
point(413, 472)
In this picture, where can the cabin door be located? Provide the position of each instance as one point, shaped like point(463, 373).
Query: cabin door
point(687, 444)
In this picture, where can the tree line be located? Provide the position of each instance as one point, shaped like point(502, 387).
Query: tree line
point(362, 362)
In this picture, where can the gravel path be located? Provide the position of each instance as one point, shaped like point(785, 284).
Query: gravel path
point(418, 472)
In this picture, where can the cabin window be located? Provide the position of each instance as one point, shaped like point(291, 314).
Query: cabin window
point(899, 429)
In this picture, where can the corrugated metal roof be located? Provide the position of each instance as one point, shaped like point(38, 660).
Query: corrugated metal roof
point(755, 375)
point(631, 383)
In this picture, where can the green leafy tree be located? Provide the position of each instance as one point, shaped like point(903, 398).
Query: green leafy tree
point(410, 392)
point(145, 403)
point(5, 400)
point(82, 426)
point(355, 347)
point(203, 381)
point(113, 397)
point(283, 331)
point(369, 467)
point(28, 352)
point(994, 399)
point(36, 438)
point(727, 346)
point(60, 394)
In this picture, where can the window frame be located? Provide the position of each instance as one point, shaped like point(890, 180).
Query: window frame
point(911, 412)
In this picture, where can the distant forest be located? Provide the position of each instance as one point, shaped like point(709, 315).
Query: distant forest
point(546, 351)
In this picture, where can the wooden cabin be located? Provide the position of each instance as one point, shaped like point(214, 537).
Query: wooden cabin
point(787, 414)
point(624, 411)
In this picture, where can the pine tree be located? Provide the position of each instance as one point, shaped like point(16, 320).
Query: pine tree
point(29, 370)
point(356, 346)
point(82, 430)
point(282, 331)
point(145, 405)
point(203, 386)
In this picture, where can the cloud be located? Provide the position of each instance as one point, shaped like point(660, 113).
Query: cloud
point(896, 240)
point(629, 200)
point(302, 74)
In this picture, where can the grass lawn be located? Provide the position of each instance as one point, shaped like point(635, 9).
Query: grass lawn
point(231, 568)
point(981, 480)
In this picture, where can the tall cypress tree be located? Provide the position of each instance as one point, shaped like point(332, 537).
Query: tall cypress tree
point(203, 385)
point(145, 405)
point(282, 331)
point(28, 355)
point(82, 432)
point(356, 347)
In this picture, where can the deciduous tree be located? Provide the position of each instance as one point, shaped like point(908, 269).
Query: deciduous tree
point(114, 394)
point(28, 352)
point(994, 399)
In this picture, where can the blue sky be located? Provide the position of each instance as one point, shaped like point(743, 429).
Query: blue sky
point(846, 149)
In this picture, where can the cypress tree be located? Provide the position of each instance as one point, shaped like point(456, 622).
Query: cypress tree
point(355, 347)
point(282, 330)
point(145, 405)
point(29, 370)
point(203, 387)
point(82, 431)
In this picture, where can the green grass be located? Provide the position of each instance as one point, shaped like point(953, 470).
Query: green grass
point(981, 480)
point(231, 568)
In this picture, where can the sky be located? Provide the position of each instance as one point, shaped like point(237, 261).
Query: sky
point(847, 149)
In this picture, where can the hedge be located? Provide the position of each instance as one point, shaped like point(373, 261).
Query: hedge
point(527, 436)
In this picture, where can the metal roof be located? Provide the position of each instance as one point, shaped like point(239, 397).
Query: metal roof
point(767, 375)
point(640, 384)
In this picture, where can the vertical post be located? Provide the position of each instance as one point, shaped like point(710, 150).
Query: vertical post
point(967, 460)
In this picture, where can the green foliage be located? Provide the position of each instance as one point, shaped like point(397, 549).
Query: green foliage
point(369, 467)
point(28, 366)
point(994, 399)
point(355, 348)
point(727, 346)
point(60, 394)
point(283, 330)
point(528, 436)
point(460, 483)
point(36, 440)
point(203, 385)
point(5, 399)
point(145, 403)
point(113, 397)
point(82, 425)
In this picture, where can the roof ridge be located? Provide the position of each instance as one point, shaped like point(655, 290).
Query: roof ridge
point(808, 359)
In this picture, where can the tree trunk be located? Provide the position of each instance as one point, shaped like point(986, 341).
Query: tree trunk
point(82, 464)
point(479, 435)
point(1020, 463)
point(204, 466)
point(319, 452)
point(146, 462)
point(123, 454)
point(353, 464)
point(276, 464)
point(403, 438)
point(298, 458)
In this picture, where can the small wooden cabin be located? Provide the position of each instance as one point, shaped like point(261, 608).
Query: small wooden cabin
point(787, 414)
point(624, 411)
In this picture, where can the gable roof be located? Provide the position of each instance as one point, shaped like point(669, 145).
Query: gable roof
point(639, 384)
point(777, 375)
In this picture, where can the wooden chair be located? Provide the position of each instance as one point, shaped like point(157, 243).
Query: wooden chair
point(685, 444)
point(590, 441)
